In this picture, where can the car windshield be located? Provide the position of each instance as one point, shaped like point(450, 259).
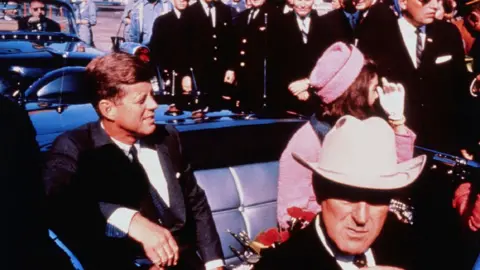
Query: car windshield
point(36, 16)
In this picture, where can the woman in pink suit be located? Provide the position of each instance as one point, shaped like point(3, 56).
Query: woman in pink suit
point(346, 83)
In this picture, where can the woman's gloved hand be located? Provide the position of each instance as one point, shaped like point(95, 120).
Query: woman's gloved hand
point(392, 99)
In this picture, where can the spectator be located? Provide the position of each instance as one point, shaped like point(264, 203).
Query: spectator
point(86, 17)
point(37, 20)
point(11, 11)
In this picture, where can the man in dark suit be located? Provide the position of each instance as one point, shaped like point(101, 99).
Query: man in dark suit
point(209, 37)
point(295, 50)
point(169, 49)
point(354, 20)
point(254, 29)
point(118, 190)
point(427, 57)
point(37, 22)
point(354, 228)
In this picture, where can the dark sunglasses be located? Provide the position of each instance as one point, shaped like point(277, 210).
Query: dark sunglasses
point(39, 8)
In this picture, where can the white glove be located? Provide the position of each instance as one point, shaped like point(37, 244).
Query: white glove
point(392, 99)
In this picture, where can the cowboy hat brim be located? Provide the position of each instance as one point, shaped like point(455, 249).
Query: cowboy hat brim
point(404, 175)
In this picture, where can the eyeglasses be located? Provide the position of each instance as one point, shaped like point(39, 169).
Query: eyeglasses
point(39, 9)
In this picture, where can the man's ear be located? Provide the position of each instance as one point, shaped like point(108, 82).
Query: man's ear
point(107, 109)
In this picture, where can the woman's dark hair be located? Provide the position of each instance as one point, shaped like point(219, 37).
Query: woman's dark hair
point(354, 101)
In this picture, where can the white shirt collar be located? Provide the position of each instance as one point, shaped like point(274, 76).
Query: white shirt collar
point(205, 6)
point(305, 20)
point(177, 12)
point(123, 146)
point(345, 261)
point(409, 36)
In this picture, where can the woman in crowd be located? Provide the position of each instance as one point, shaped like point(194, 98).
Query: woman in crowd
point(346, 83)
point(86, 17)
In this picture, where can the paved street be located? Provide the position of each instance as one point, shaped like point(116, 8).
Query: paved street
point(108, 22)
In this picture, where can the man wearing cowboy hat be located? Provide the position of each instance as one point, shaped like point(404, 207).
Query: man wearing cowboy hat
point(354, 228)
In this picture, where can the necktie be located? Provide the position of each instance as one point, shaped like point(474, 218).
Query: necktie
point(166, 218)
point(304, 31)
point(353, 21)
point(360, 260)
point(419, 47)
point(210, 7)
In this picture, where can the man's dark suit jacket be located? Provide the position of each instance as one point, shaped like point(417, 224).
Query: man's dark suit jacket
point(85, 168)
point(210, 49)
point(47, 25)
point(435, 92)
point(337, 27)
point(293, 60)
point(168, 44)
point(304, 250)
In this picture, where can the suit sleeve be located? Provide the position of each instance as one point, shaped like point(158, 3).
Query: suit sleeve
point(208, 241)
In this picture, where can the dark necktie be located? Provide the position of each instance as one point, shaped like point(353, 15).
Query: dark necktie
point(419, 47)
point(360, 260)
point(166, 218)
point(304, 31)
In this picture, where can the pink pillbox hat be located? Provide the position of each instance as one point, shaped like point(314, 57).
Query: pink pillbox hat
point(336, 70)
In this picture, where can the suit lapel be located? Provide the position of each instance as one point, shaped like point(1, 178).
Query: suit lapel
point(402, 51)
point(177, 204)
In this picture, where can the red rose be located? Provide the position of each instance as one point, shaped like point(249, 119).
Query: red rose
point(269, 237)
point(308, 216)
point(295, 212)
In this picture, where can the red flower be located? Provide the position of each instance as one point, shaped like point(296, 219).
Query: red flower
point(270, 237)
point(295, 212)
point(298, 213)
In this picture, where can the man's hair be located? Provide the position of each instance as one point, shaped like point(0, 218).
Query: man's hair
point(107, 74)
point(354, 101)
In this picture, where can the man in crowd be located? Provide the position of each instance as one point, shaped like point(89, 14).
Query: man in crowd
point(427, 57)
point(354, 228)
point(11, 11)
point(210, 50)
point(139, 17)
point(295, 50)
point(168, 46)
point(37, 20)
point(255, 30)
point(118, 189)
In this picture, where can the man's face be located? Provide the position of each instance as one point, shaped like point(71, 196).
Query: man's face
point(134, 112)
point(12, 11)
point(353, 225)
point(257, 3)
point(37, 9)
point(302, 7)
point(180, 4)
point(419, 12)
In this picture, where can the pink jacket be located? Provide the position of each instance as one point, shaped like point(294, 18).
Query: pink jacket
point(295, 181)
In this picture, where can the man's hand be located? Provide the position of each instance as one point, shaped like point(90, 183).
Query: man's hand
point(187, 84)
point(299, 86)
point(466, 154)
point(303, 95)
point(157, 242)
point(128, 21)
point(33, 19)
point(229, 76)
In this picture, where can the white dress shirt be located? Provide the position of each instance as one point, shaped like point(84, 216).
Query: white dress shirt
point(252, 16)
point(344, 261)
point(177, 12)
point(122, 216)
point(409, 36)
point(213, 16)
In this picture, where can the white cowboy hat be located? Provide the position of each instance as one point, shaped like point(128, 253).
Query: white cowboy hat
point(363, 154)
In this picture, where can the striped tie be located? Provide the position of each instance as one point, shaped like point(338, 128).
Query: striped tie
point(419, 47)
point(304, 31)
